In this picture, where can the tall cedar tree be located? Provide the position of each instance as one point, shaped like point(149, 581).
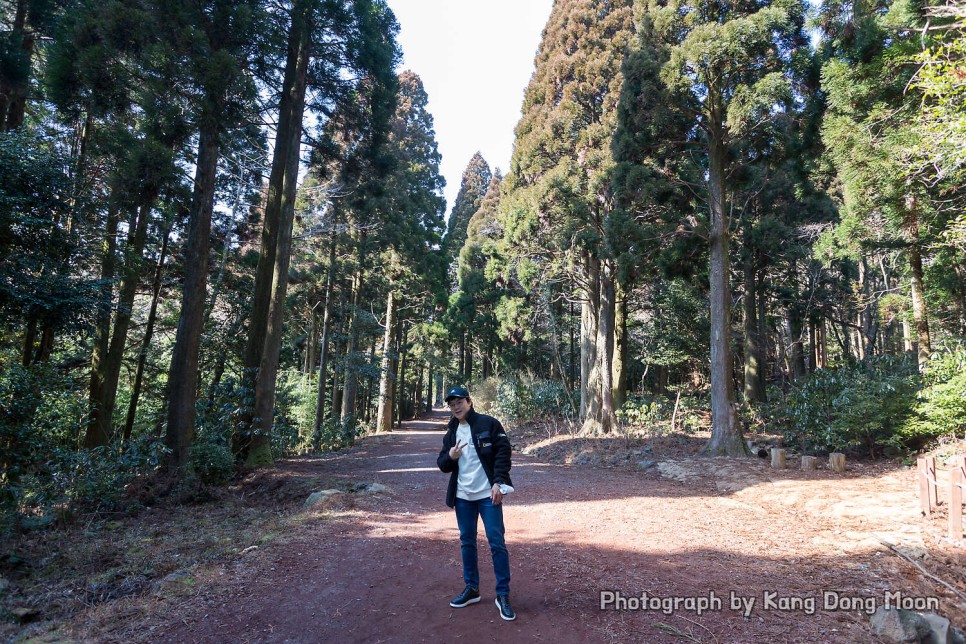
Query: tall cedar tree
point(411, 261)
point(871, 129)
point(473, 185)
point(212, 42)
point(559, 195)
point(476, 180)
point(108, 64)
point(26, 23)
point(479, 291)
point(353, 156)
point(367, 30)
point(726, 69)
point(649, 204)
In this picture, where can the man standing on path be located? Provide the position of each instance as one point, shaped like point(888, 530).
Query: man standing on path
point(476, 453)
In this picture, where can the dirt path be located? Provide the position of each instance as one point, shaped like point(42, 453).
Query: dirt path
point(384, 568)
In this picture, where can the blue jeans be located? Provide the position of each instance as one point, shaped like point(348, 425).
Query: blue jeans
point(466, 515)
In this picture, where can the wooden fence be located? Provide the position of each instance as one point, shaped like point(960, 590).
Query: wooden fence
point(929, 491)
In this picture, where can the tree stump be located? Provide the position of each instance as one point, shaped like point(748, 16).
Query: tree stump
point(836, 462)
point(777, 458)
point(809, 462)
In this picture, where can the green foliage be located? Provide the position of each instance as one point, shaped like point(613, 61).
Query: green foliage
point(41, 411)
point(941, 120)
point(95, 479)
point(521, 397)
point(335, 433)
point(36, 247)
point(212, 461)
point(72, 481)
point(678, 330)
point(940, 406)
point(859, 405)
point(654, 413)
point(294, 414)
point(223, 414)
point(44, 474)
point(645, 410)
point(473, 187)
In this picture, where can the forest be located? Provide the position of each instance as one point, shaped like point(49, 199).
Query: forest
point(223, 237)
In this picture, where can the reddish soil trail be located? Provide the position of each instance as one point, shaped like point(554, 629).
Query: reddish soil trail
point(384, 569)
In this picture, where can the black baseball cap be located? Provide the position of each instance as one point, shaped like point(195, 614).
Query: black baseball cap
point(457, 392)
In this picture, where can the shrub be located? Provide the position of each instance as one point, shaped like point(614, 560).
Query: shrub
point(520, 398)
point(295, 400)
point(940, 406)
point(651, 412)
point(332, 435)
point(856, 405)
point(654, 413)
point(42, 412)
point(211, 460)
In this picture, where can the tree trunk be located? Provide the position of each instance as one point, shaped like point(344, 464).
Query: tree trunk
point(384, 417)
point(351, 376)
point(29, 338)
point(99, 429)
point(821, 344)
point(394, 378)
point(418, 395)
point(324, 342)
point(335, 405)
point(589, 310)
point(763, 344)
point(146, 341)
point(265, 339)
point(13, 95)
point(366, 402)
point(919, 310)
point(572, 372)
point(605, 346)
point(308, 357)
point(620, 346)
point(46, 346)
point(600, 417)
point(754, 389)
point(906, 336)
point(555, 344)
point(102, 324)
point(795, 329)
point(726, 438)
point(183, 374)
point(961, 296)
point(403, 363)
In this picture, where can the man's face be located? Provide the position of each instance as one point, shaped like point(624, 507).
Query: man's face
point(459, 407)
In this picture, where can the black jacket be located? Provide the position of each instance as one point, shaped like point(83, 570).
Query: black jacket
point(492, 445)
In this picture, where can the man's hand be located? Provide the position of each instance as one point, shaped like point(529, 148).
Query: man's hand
point(456, 451)
point(496, 495)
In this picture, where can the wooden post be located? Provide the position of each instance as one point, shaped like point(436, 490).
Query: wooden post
point(926, 472)
point(777, 458)
point(957, 480)
point(809, 462)
point(674, 416)
point(836, 462)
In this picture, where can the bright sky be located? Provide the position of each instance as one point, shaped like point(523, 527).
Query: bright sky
point(475, 58)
